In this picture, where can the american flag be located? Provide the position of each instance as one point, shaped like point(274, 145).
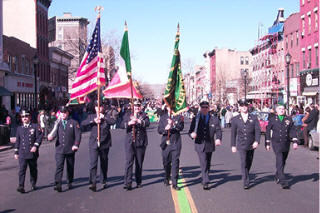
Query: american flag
point(90, 74)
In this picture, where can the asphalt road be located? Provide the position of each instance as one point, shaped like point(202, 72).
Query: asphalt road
point(225, 196)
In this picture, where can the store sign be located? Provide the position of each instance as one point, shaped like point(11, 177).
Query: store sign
point(309, 80)
point(23, 84)
point(293, 87)
point(315, 82)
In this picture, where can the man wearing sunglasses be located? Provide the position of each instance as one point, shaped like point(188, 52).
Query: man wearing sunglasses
point(68, 140)
point(245, 138)
point(206, 131)
point(28, 141)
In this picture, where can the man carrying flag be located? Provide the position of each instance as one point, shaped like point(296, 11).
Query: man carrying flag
point(171, 123)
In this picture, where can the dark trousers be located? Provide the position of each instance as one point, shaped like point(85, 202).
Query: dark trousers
point(133, 154)
point(23, 164)
point(60, 158)
point(281, 158)
point(246, 157)
point(94, 155)
point(170, 160)
point(205, 163)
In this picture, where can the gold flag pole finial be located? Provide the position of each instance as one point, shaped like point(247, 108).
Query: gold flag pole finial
point(99, 9)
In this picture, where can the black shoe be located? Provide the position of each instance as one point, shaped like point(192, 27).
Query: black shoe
point(34, 187)
point(93, 187)
point(166, 182)
point(246, 187)
point(21, 189)
point(205, 186)
point(175, 187)
point(58, 188)
point(128, 187)
point(285, 186)
point(70, 186)
point(139, 185)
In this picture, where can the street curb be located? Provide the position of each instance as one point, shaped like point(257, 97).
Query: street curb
point(6, 147)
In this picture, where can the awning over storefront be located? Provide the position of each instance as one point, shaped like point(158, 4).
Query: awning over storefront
point(310, 91)
point(5, 92)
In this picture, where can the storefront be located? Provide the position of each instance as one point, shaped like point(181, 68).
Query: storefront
point(310, 85)
point(22, 87)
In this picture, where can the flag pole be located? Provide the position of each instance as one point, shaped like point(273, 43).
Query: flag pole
point(99, 9)
point(131, 88)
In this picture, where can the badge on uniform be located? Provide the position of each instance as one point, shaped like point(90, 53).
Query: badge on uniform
point(71, 125)
point(250, 121)
point(287, 122)
point(212, 125)
point(31, 131)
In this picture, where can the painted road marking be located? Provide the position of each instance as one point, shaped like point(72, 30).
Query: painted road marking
point(182, 199)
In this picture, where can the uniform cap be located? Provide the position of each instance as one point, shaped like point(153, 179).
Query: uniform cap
point(25, 113)
point(243, 102)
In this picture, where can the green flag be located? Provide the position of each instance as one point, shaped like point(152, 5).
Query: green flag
point(175, 94)
point(125, 52)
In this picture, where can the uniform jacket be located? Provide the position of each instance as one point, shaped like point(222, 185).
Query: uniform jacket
point(105, 135)
point(206, 135)
point(26, 138)
point(282, 133)
point(68, 137)
point(177, 127)
point(244, 134)
point(141, 138)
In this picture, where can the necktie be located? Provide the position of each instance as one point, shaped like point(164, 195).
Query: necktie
point(64, 122)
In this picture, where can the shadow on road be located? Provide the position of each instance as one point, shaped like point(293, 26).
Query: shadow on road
point(8, 210)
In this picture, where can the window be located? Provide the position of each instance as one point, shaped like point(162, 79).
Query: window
point(309, 23)
point(303, 26)
point(304, 59)
point(27, 67)
point(309, 64)
point(286, 42)
point(23, 70)
point(241, 60)
point(10, 62)
point(247, 60)
point(316, 21)
point(15, 64)
point(291, 43)
point(292, 70)
point(317, 56)
point(297, 68)
point(297, 39)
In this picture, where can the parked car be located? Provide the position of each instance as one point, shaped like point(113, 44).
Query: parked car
point(263, 120)
point(314, 137)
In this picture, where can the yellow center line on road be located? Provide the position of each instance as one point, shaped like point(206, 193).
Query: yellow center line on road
point(182, 199)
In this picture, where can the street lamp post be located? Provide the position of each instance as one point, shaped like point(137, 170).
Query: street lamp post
point(245, 73)
point(35, 66)
point(288, 59)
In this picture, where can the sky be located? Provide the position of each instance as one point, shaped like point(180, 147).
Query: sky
point(152, 25)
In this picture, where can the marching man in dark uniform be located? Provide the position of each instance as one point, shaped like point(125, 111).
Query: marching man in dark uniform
point(100, 150)
point(135, 144)
point(283, 132)
point(28, 141)
point(171, 146)
point(245, 137)
point(68, 136)
point(206, 131)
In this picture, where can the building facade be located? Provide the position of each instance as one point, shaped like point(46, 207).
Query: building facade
point(292, 46)
point(20, 78)
point(33, 19)
point(4, 68)
point(69, 33)
point(228, 65)
point(309, 54)
point(60, 62)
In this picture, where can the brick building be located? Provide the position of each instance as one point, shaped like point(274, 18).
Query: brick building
point(309, 54)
